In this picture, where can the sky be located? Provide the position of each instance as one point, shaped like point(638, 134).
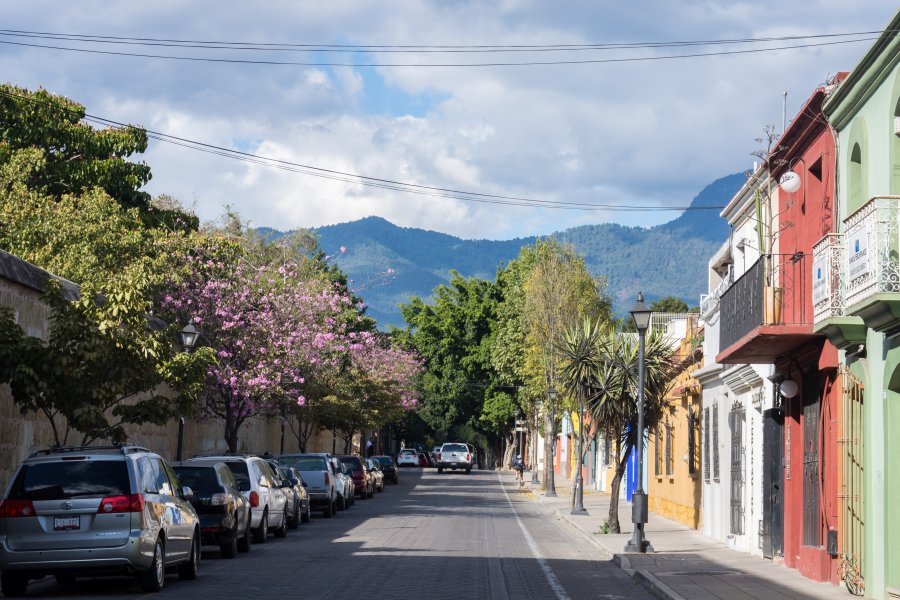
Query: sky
point(636, 133)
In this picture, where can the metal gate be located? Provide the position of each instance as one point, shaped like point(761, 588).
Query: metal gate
point(736, 424)
point(812, 484)
point(773, 483)
point(852, 450)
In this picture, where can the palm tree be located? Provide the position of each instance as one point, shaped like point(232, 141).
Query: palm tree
point(614, 403)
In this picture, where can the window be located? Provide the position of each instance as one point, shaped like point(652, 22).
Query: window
point(670, 458)
point(607, 451)
point(736, 423)
point(71, 479)
point(692, 443)
point(715, 442)
point(657, 469)
point(153, 477)
point(706, 436)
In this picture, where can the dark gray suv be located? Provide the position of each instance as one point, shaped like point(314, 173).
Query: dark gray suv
point(84, 511)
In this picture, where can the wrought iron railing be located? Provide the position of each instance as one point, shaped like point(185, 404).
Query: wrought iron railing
point(774, 291)
point(871, 245)
point(828, 277)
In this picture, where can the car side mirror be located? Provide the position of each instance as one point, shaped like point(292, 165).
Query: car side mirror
point(285, 483)
point(187, 493)
point(262, 482)
point(305, 484)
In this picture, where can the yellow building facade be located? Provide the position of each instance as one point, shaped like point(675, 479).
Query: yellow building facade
point(674, 461)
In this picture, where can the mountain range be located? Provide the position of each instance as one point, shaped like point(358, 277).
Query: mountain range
point(387, 264)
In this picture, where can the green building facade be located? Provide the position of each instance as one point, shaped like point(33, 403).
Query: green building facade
point(861, 286)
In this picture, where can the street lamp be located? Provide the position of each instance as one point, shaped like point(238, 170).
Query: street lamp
point(188, 337)
point(551, 481)
point(641, 315)
point(534, 452)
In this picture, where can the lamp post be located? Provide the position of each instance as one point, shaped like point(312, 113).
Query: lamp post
point(579, 508)
point(551, 481)
point(534, 453)
point(187, 337)
point(641, 315)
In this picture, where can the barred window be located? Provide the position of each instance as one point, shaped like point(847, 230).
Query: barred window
point(657, 468)
point(670, 458)
point(692, 449)
point(607, 451)
point(715, 442)
point(706, 435)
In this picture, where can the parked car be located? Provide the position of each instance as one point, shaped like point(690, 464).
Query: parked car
point(362, 479)
point(388, 467)
point(82, 511)
point(423, 459)
point(408, 458)
point(300, 488)
point(258, 483)
point(293, 501)
point(375, 469)
point(345, 487)
point(320, 478)
point(455, 456)
point(433, 455)
point(224, 512)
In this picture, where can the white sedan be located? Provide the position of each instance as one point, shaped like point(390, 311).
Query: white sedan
point(408, 458)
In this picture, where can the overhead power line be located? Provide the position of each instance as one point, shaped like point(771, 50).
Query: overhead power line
point(409, 48)
point(530, 63)
point(369, 181)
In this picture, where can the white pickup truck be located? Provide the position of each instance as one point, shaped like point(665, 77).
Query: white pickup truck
point(454, 455)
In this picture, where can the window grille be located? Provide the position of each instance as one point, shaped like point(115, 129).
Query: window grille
point(706, 435)
point(657, 469)
point(715, 442)
point(736, 424)
point(607, 451)
point(670, 462)
point(691, 449)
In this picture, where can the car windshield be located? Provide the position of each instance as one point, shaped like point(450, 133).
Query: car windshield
point(454, 448)
point(408, 452)
point(71, 479)
point(384, 460)
point(305, 463)
point(201, 480)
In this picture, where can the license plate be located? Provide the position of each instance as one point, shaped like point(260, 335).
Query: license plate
point(66, 523)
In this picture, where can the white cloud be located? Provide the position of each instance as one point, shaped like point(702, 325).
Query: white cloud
point(636, 132)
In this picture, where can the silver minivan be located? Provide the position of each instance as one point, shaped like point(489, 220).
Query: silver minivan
point(84, 511)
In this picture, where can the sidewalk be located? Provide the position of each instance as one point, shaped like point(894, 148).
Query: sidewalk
point(686, 565)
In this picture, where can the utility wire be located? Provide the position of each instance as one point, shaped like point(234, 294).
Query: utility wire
point(375, 182)
point(432, 65)
point(409, 49)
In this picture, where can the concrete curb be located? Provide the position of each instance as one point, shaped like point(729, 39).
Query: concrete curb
point(646, 579)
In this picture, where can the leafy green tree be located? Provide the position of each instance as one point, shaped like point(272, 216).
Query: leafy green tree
point(78, 157)
point(669, 304)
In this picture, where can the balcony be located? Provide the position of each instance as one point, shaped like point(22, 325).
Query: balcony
point(870, 263)
point(709, 303)
point(761, 321)
point(828, 278)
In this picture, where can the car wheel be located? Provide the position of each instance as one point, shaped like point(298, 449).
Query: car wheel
point(281, 530)
point(440, 469)
point(306, 515)
point(152, 579)
point(261, 534)
point(13, 584)
point(230, 549)
point(244, 542)
point(326, 512)
point(294, 523)
point(371, 492)
point(469, 470)
point(188, 570)
point(334, 508)
point(342, 503)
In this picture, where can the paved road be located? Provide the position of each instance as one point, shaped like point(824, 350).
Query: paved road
point(433, 536)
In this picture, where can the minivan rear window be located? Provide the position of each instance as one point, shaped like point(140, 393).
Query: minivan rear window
point(304, 463)
point(353, 462)
point(71, 479)
point(201, 480)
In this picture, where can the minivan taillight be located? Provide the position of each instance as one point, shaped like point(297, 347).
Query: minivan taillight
point(468, 457)
point(122, 504)
point(327, 479)
point(254, 499)
point(16, 508)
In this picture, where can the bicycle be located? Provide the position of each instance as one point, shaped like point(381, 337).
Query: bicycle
point(520, 475)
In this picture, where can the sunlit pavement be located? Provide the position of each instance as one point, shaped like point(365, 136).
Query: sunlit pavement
point(432, 537)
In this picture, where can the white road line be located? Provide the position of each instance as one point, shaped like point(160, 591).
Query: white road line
point(554, 583)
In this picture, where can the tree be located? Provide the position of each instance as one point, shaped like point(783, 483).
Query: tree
point(559, 290)
point(669, 304)
point(613, 405)
point(78, 157)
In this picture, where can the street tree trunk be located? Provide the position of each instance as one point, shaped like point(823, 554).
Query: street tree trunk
point(621, 460)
